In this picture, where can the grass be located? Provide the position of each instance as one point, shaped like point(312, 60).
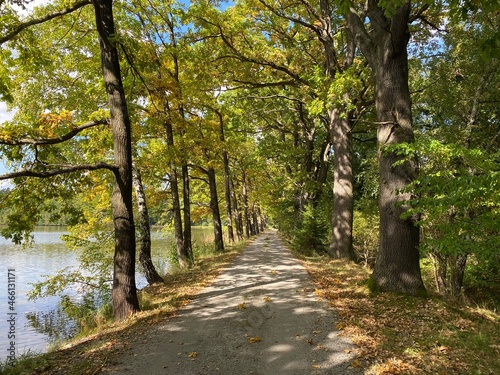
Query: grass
point(399, 334)
point(89, 354)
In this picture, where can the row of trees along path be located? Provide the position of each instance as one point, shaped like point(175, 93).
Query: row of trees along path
point(267, 94)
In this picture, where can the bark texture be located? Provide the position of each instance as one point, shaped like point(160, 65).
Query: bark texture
point(214, 206)
point(397, 265)
point(182, 255)
point(124, 293)
point(148, 268)
point(186, 199)
point(343, 199)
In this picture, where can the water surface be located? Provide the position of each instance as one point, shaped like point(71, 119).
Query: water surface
point(41, 322)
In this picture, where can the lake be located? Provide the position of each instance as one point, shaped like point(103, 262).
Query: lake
point(39, 323)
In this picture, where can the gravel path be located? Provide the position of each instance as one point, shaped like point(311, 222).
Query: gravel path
point(260, 317)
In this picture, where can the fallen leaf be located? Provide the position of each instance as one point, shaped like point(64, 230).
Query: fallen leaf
point(193, 355)
point(267, 299)
point(316, 366)
point(253, 340)
point(355, 363)
point(242, 306)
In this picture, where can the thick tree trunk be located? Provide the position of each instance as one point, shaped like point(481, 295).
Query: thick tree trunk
point(186, 198)
point(214, 206)
point(343, 199)
point(124, 293)
point(397, 266)
point(148, 268)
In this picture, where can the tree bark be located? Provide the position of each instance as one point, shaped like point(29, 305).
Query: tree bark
point(148, 268)
point(457, 270)
point(182, 255)
point(214, 206)
point(227, 195)
point(236, 212)
point(248, 225)
point(186, 198)
point(343, 198)
point(227, 183)
point(124, 293)
point(397, 266)
point(440, 272)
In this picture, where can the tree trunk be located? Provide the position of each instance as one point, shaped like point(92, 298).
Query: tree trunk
point(343, 199)
point(227, 194)
point(440, 271)
point(186, 197)
point(214, 206)
point(182, 255)
point(148, 268)
point(245, 207)
point(397, 266)
point(457, 270)
point(256, 228)
point(236, 212)
point(124, 292)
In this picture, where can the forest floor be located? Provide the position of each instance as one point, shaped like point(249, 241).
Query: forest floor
point(257, 311)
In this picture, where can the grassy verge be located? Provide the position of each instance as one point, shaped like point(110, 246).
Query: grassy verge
point(89, 354)
point(398, 334)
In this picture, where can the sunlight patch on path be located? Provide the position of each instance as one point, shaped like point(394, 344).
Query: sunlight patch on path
point(259, 317)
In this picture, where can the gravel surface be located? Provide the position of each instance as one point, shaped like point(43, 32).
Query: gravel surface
point(259, 317)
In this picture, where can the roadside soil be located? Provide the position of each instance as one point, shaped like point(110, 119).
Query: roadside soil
point(260, 316)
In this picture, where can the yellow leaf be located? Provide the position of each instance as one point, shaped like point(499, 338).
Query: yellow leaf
point(316, 366)
point(267, 299)
point(193, 355)
point(253, 340)
point(242, 306)
point(355, 363)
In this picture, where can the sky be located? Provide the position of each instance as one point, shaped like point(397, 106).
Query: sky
point(4, 116)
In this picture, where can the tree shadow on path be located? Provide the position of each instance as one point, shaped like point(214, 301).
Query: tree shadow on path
point(259, 317)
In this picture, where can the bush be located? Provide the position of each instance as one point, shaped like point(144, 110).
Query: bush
point(312, 235)
point(366, 236)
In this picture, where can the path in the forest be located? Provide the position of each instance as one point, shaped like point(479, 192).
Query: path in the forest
point(259, 317)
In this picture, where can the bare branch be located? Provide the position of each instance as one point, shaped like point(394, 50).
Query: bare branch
point(61, 169)
point(43, 19)
point(52, 141)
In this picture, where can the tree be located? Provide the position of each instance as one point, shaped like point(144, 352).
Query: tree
point(457, 192)
point(150, 272)
point(384, 45)
point(124, 294)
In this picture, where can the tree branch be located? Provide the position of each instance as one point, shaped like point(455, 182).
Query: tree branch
point(43, 19)
point(52, 141)
point(61, 169)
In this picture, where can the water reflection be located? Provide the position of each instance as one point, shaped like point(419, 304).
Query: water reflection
point(44, 321)
point(54, 324)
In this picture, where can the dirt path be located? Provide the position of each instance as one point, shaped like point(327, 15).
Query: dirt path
point(260, 317)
